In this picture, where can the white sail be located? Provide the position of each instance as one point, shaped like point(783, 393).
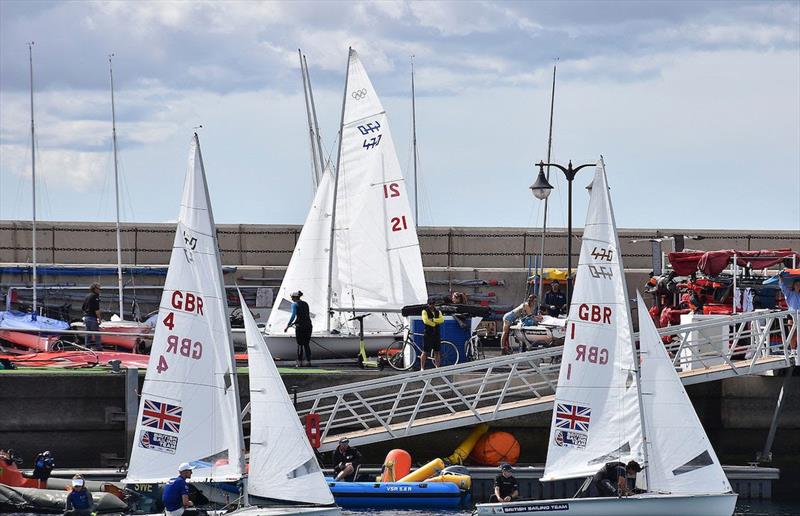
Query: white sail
point(596, 415)
point(680, 457)
point(377, 257)
point(282, 463)
point(189, 408)
point(308, 267)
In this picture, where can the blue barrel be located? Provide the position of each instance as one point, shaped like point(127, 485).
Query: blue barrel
point(450, 330)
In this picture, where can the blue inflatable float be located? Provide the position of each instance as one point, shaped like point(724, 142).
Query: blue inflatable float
point(398, 495)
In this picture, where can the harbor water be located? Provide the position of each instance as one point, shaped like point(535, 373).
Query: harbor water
point(745, 508)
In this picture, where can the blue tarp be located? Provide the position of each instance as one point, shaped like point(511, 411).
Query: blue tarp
point(14, 320)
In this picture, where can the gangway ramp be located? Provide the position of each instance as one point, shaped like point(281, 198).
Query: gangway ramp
point(514, 385)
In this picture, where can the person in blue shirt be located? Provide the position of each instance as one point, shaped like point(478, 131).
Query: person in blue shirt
point(176, 492)
point(301, 320)
point(79, 500)
point(792, 295)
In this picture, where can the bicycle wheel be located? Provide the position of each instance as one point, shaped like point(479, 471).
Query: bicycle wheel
point(448, 353)
point(401, 355)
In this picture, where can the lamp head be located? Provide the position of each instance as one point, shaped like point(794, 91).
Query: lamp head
point(541, 188)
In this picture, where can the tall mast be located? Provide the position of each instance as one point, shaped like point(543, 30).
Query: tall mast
point(335, 192)
point(314, 116)
point(33, 175)
point(116, 188)
point(544, 221)
point(316, 174)
point(414, 140)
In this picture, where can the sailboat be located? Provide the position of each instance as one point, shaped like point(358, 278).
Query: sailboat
point(190, 409)
point(17, 327)
point(284, 476)
point(609, 408)
point(358, 251)
point(117, 326)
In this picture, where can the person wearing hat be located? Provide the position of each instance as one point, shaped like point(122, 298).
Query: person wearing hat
point(506, 488)
point(176, 492)
point(432, 317)
point(346, 460)
point(91, 316)
point(613, 479)
point(554, 300)
point(301, 320)
point(79, 500)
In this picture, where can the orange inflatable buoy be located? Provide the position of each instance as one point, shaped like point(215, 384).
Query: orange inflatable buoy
point(496, 448)
point(396, 465)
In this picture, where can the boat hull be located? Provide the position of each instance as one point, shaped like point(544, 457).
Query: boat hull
point(397, 495)
point(288, 510)
point(327, 346)
point(637, 505)
point(29, 340)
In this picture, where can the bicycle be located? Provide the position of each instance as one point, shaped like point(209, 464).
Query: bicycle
point(402, 354)
point(473, 348)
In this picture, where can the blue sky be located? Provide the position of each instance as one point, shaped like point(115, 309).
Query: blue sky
point(695, 106)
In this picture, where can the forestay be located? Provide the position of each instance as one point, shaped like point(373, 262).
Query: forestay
point(308, 267)
point(189, 409)
point(596, 416)
point(282, 462)
point(680, 457)
point(377, 263)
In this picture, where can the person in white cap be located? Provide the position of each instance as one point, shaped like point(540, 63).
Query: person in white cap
point(176, 492)
point(79, 500)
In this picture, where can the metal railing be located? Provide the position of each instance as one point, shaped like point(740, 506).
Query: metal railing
point(513, 385)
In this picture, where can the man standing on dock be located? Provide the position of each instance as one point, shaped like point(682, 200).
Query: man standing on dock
point(91, 317)
point(792, 295)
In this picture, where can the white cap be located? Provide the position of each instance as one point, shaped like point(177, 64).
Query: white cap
point(185, 466)
point(77, 482)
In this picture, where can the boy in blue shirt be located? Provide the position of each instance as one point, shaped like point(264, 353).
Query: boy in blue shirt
point(79, 500)
point(176, 492)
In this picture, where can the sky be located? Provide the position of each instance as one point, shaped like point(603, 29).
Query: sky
point(694, 106)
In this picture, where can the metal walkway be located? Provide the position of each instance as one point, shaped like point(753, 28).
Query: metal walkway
point(514, 385)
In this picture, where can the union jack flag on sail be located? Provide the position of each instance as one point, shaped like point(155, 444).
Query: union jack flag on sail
point(162, 416)
point(573, 417)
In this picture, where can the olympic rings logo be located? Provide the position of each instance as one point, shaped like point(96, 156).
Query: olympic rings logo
point(359, 94)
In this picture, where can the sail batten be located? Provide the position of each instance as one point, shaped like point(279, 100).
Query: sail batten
point(190, 394)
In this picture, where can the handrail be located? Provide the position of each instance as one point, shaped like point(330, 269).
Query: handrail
point(508, 386)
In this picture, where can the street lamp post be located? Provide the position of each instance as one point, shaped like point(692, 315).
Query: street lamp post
point(541, 189)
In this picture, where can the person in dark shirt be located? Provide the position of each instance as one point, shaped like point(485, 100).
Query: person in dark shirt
point(79, 500)
point(506, 488)
point(346, 460)
point(554, 300)
point(301, 320)
point(91, 316)
point(612, 480)
point(176, 492)
point(43, 466)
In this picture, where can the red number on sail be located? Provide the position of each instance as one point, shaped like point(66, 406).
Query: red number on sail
point(399, 223)
point(391, 190)
point(162, 364)
point(169, 321)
